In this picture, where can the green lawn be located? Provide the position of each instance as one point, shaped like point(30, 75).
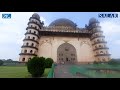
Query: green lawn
point(90, 70)
point(17, 72)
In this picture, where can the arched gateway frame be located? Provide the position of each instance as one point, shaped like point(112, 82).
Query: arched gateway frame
point(66, 53)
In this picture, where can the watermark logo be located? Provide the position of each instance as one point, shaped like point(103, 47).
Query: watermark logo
point(110, 15)
point(6, 16)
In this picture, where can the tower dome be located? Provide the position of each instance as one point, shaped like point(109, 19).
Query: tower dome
point(63, 22)
point(93, 20)
point(36, 16)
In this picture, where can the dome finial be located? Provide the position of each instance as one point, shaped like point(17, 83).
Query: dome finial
point(93, 20)
point(36, 15)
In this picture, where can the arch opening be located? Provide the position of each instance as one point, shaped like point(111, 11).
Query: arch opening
point(66, 53)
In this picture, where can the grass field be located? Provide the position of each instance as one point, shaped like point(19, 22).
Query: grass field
point(90, 70)
point(17, 72)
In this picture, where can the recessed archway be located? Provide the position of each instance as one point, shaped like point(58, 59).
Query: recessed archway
point(66, 53)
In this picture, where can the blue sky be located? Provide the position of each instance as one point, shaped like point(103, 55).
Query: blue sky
point(12, 30)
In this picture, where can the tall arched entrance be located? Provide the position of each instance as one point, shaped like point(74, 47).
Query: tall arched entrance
point(66, 53)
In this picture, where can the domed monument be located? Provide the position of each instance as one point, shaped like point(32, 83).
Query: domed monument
point(64, 42)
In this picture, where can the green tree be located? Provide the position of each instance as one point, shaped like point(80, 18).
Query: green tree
point(1, 62)
point(48, 62)
point(36, 66)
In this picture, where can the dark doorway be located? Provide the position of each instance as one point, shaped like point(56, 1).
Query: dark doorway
point(66, 59)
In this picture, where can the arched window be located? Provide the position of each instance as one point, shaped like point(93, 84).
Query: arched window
point(31, 51)
point(28, 37)
point(33, 38)
point(95, 46)
point(99, 45)
point(35, 32)
point(101, 51)
point(29, 58)
point(25, 51)
point(23, 59)
point(32, 44)
point(27, 44)
point(98, 40)
point(30, 31)
point(35, 27)
point(31, 25)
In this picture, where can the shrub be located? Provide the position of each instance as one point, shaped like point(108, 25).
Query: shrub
point(36, 66)
point(48, 62)
point(1, 62)
point(96, 62)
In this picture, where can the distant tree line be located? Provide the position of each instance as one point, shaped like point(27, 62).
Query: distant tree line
point(7, 62)
point(111, 62)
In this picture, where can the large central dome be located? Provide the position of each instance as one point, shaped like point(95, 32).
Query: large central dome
point(63, 22)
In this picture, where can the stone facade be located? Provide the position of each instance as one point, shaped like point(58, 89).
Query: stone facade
point(64, 42)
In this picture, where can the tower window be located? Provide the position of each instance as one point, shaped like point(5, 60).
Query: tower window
point(95, 46)
point(34, 32)
point(23, 59)
point(31, 26)
point(98, 40)
point(27, 44)
point(25, 51)
point(101, 51)
point(28, 37)
point(99, 45)
point(29, 58)
point(35, 27)
point(32, 44)
point(33, 38)
point(30, 31)
point(31, 51)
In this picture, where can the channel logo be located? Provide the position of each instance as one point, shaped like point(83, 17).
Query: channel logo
point(6, 16)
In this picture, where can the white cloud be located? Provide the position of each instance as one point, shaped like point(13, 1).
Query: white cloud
point(110, 27)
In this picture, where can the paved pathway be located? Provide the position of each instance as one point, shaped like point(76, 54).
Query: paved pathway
point(62, 71)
